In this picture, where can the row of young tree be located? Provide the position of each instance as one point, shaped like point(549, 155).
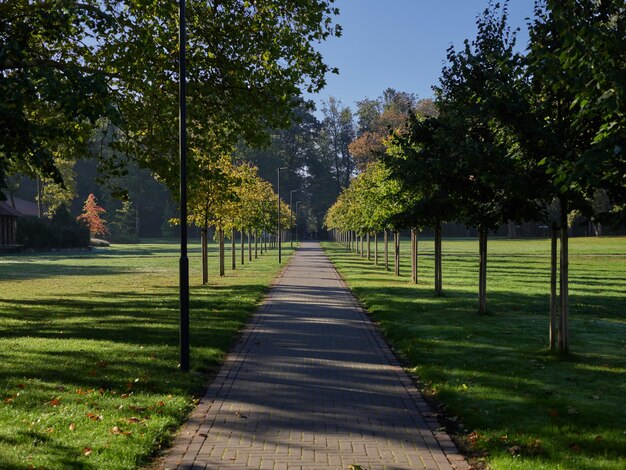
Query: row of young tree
point(513, 134)
point(233, 198)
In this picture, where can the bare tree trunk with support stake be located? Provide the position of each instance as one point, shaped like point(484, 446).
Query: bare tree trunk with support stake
point(204, 233)
point(243, 250)
point(482, 270)
point(221, 243)
point(414, 255)
point(369, 251)
point(256, 245)
point(249, 246)
point(438, 264)
point(563, 337)
point(376, 248)
point(396, 251)
point(386, 244)
point(553, 283)
point(233, 249)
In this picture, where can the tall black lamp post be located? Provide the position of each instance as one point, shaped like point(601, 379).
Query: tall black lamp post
point(184, 260)
point(291, 213)
point(280, 260)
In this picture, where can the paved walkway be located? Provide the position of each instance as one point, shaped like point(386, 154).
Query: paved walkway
point(311, 385)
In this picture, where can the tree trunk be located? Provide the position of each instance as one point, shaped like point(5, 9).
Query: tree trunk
point(205, 255)
point(221, 248)
point(362, 246)
point(563, 338)
point(414, 255)
point(376, 248)
point(386, 243)
point(512, 229)
point(553, 281)
point(482, 270)
point(396, 256)
point(249, 246)
point(39, 198)
point(438, 270)
point(369, 245)
point(598, 229)
point(233, 250)
point(256, 245)
point(243, 250)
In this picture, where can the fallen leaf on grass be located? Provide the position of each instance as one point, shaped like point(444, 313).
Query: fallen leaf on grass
point(50, 430)
point(22, 386)
point(54, 402)
point(117, 431)
point(94, 417)
point(514, 450)
point(161, 403)
point(86, 451)
point(598, 438)
point(72, 427)
point(575, 448)
point(134, 419)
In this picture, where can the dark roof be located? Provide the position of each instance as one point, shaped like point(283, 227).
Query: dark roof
point(25, 207)
point(7, 209)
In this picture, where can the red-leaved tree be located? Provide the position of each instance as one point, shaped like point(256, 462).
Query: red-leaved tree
point(91, 217)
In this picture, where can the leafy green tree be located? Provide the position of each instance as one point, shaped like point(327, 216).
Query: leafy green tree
point(565, 123)
point(124, 224)
point(51, 91)
point(492, 185)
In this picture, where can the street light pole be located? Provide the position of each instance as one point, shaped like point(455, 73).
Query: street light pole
point(297, 204)
point(184, 260)
point(291, 213)
point(278, 234)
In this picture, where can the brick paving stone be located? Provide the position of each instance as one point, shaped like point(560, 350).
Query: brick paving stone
point(311, 384)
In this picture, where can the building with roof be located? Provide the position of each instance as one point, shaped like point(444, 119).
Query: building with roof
point(8, 224)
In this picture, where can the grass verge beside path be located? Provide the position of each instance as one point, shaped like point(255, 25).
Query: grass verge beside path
point(89, 350)
point(519, 407)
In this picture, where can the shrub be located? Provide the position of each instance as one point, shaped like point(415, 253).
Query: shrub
point(60, 232)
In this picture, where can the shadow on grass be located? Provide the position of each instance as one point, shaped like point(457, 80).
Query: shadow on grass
point(494, 371)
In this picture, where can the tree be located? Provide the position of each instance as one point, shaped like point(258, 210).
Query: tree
point(564, 121)
point(124, 224)
point(247, 65)
point(338, 130)
point(493, 186)
point(91, 217)
point(421, 161)
point(51, 93)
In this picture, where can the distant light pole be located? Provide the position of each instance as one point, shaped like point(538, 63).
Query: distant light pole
point(278, 235)
point(182, 148)
point(291, 213)
point(297, 204)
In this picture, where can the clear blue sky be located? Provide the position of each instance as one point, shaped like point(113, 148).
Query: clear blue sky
point(401, 44)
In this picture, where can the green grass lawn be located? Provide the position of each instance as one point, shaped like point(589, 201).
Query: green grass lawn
point(519, 407)
point(89, 350)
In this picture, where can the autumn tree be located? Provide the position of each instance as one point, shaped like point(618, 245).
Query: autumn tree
point(91, 217)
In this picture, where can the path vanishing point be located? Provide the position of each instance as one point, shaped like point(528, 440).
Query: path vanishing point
point(312, 385)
